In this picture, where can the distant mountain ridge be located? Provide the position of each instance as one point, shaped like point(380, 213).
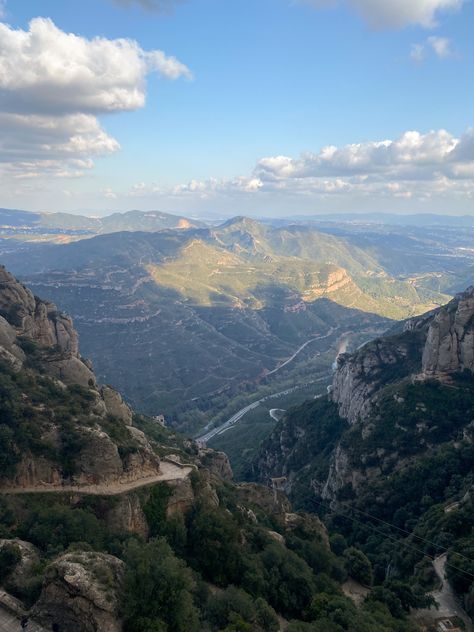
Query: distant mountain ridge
point(63, 227)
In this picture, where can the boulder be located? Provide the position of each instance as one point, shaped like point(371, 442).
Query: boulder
point(81, 593)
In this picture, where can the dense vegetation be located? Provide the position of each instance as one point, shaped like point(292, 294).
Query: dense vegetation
point(412, 463)
point(211, 568)
point(29, 402)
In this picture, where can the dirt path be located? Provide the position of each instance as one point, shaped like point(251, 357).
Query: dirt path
point(168, 472)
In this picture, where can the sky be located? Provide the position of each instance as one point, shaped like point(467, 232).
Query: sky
point(212, 108)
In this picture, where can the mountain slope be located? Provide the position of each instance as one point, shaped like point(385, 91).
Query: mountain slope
point(83, 550)
point(390, 454)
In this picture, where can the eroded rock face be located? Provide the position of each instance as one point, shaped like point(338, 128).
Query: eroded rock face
point(106, 449)
point(127, 516)
point(115, 405)
point(217, 463)
point(360, 375)
point(81, 593)
point(450, 342)
point(23, 315)
point(181, 498)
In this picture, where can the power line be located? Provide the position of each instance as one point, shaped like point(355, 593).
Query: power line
point(408, 533)
point(400, 542)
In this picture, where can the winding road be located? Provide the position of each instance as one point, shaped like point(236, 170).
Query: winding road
point(300, 349)
point(210, 434)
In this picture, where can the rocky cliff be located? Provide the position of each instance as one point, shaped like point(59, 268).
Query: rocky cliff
point(393, 392)
point(450, 341)
point(431, 346)
point(61, 427)
point(24, 317)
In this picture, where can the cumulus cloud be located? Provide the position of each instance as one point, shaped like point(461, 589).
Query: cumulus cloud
point(413, 155)
point(396, 13)
point(415, 165)
point(54, 84)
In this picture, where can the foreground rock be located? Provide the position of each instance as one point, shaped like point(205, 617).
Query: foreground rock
point(81, 592)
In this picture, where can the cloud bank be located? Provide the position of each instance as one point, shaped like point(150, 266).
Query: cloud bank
point(413, 166)
point(53, 85)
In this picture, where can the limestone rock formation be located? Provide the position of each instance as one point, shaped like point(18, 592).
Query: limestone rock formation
point(81, 593)
point(26, 317)
point(91, 440)
point(115, 405)
point(217, 463)
point(127, 516)
point(360, 375)
point(450, 341)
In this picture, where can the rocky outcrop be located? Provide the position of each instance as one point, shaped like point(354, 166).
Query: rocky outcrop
point(20, 575)
point(359, 376)
point(450, 341)
point(436, 344)
point(89, 439)
point(81, 593)
point(127, 516)
point(55, 341)
point(217, 463)
point(181, 498)
point(115, 405)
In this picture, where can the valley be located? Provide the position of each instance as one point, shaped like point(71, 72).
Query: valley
point(197, 322)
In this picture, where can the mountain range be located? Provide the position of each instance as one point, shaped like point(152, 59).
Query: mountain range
point(66, 227)
point(181, 321)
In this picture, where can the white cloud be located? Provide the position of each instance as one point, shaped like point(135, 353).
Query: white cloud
point(162, 6)
point(45, 69)
point(52, 87)
point(396, 13)
point(441, 46)
point(415, 166)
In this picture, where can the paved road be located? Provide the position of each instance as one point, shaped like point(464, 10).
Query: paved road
point(210, 434)
point(273, 412)
point(298, 351)
point(168, 472)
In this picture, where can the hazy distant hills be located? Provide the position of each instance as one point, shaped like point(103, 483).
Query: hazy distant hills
point(183, 319)
point(64, 227)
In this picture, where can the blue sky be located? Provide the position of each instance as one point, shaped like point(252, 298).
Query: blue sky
point(273, 83)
